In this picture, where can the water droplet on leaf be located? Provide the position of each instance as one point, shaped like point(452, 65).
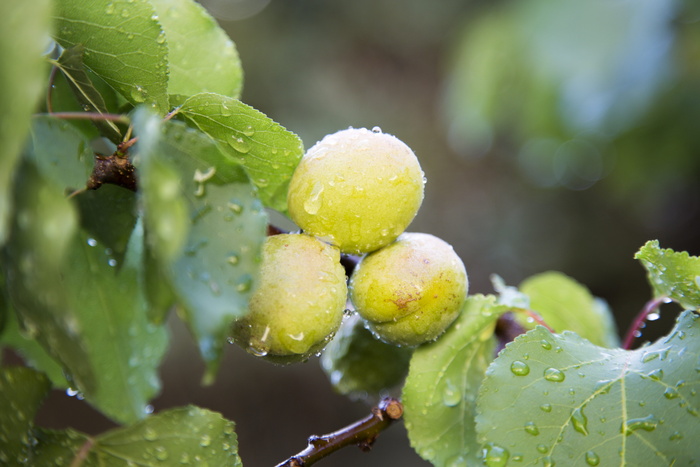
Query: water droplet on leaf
point(519, 368)
point(554, 375)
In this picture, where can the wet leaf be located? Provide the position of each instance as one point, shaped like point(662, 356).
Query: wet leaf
point(443, 379)
point(23, 390)
point(124, 45)
point(202, 58)
point(672, 274)
point(214, 274)
point(554, 398)
point(267, 151)
point(360, 365)
point(23, 29)
point(88, 96)
point(566, 305)
point(85, 309)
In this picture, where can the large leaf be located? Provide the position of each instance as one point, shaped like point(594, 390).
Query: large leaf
point(213, 276)
point(187, 436)
point(124, 44)
point(202, 58)
point(440, 391)
point(675, 275)
point(268, 152)
point(23, 391)
point(558, 398)
point(360, 365)
point(72, 296)
point(566, 305)
point(23, 29)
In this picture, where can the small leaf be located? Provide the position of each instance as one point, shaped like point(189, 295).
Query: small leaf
point(359, 365)
point(566, 305)
point(71, 64)
point(187, 435)
point(579, 404)
point(214, 274)
point(123, 45)
point(672, 274)
point(23, 29)
point(23, 390)
point(202, 57)
point(444, 377)
point(268, 152)
point(58, 447)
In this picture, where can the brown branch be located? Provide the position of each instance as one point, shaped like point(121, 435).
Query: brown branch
point(362, 433)
point(115, 170)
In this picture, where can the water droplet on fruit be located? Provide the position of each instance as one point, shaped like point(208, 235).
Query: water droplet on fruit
point(554, 375)
point(519, 368)
point(315, 200)
point(376, 129)
point(579, 421)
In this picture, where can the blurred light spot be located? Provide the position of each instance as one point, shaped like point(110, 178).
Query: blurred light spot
point(470, 135)
point(578, 164)
point(234, 10)
point(536, 161)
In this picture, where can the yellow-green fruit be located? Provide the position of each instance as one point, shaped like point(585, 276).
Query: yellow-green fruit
point(299, 301)
point(356, 189)
point(410, 291)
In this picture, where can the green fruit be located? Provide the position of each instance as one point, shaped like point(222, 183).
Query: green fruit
point(356, 189)
point(299, 301)
point(410, 291)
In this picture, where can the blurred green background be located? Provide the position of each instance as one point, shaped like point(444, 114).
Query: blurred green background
point(554, 136)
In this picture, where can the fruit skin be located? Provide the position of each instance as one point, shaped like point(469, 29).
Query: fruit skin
point(299, 301)
point(357, 189)
point(410, 291)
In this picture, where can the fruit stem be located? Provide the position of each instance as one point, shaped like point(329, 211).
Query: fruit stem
point(362, 433)
point(634, 330)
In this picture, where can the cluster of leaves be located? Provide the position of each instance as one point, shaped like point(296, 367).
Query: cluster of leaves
point(88, 276)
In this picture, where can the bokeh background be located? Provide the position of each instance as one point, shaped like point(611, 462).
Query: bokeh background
point(554, 136)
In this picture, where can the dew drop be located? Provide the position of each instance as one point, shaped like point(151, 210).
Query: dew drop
point(592, 458)
point(112, 262)
point(233, 259)
point(161, 453)
point(451, 395)
point(457, 461)
point(647, 423)
point(519, 368)
point(149, 434)
point(554, 375)
point(547, 461)
point(532, 429)
point(546, 345)
point(249, 130)
point(542, 448)
point(546, 408)
point(602, 386)
point(376, 129)
point(495, 455)
point(138, 94)
point(675, 436)
point(110, 9)
point(656, 375)
point(671, 393)
point(315, 200)
point(205, 441)
point(244, 283)
point(239, 144)
point(579, 421)
point(91, 242)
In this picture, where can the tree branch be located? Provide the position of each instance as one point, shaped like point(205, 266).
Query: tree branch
point(362, 433)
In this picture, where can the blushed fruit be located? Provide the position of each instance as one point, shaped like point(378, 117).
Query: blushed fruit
point(410, 291)
point(299, 301)
point(356, 189)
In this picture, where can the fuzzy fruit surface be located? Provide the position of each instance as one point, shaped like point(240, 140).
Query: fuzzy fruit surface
point(299, 301)
point(410, 291)
point(357, 189)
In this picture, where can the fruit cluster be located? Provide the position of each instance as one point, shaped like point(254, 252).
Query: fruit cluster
point(354, 192)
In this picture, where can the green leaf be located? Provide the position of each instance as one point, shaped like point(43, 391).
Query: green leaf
point(58, 447)
point(202, 58)
point(359, 365)
point(86, 310)
point(124, 45)
point(23, 390)
point(558, 398)
point(32, 352)
point(444, 377)
point(566, 305)
point(61, 152)
point(71, 64)
point(672, 274)
point(23, 29)
point(268, 152)
point(214, 274)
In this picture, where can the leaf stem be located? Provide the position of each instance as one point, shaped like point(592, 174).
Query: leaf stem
point(634, 330)
point(362, 433)
point(89, 116)
point(537, 317)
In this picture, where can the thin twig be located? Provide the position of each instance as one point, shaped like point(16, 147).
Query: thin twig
point(49, 91)
point(89, 116)
point(634, 330)
point(361, 433)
